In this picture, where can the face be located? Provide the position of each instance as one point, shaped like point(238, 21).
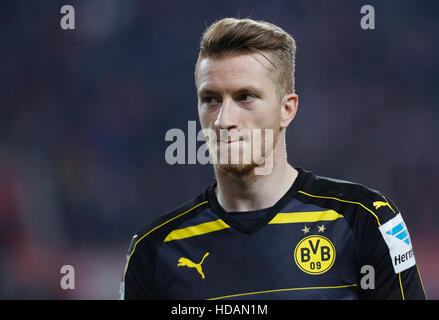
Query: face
point(237, 99)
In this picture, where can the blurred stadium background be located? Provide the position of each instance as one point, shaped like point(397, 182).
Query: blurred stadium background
point(84, 112)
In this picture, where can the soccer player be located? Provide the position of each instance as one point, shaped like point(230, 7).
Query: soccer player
point(281, 234)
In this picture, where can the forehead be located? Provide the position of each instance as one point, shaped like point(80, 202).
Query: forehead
point(233, 70)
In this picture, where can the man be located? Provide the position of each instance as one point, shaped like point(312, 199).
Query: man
point(284, 233)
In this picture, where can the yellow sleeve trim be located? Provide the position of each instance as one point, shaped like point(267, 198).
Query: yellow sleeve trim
point(400, 285)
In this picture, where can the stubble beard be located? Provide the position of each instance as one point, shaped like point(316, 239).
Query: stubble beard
point(242, 169)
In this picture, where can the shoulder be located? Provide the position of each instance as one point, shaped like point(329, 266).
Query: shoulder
point(146, 238)
point(156, 230)
point(347, 197)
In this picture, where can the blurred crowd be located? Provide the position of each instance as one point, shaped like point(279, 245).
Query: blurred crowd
point(84, 112)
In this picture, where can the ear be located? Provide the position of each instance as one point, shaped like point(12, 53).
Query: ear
point(289, 105)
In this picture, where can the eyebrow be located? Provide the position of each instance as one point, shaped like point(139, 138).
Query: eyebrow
point(248, 88)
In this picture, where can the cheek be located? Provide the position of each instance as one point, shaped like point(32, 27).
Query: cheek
point(206, 119)
point(269, 118)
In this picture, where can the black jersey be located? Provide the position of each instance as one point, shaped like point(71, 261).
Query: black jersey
point(324, 239)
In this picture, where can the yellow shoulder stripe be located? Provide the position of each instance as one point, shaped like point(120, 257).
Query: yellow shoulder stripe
point(347, 201)
point(313, 216)
point(290, 217)
point(196, 230)
point(135, 245)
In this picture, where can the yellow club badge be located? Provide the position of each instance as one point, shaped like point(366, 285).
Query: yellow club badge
point(314, 254)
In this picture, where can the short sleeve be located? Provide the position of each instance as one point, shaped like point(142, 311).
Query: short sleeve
point(138, 281)
point(386, 246)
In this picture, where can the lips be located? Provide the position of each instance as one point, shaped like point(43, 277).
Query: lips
point(230, 141)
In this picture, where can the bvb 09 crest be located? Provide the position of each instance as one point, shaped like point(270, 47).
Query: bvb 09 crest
point(314, 254)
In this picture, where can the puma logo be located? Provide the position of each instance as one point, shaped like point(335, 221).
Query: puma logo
point(379, 204)
point(185, 262)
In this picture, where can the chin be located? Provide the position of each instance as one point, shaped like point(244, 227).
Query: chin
point(236, 169)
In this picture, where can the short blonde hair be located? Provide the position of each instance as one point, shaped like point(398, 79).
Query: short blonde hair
point(231, 35)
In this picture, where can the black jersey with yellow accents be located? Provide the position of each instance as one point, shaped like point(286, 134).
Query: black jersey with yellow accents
point(324, 239)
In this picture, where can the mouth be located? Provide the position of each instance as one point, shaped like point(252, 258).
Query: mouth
point(229, 141)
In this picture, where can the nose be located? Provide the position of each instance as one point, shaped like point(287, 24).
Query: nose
point(227, 115)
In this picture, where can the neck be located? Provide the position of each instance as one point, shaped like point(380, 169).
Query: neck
point(253, 192)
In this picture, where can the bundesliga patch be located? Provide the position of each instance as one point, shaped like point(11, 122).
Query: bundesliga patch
point(397, 238)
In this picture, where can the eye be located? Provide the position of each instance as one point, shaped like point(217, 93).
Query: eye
point(210, 100)
point(246, 97)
